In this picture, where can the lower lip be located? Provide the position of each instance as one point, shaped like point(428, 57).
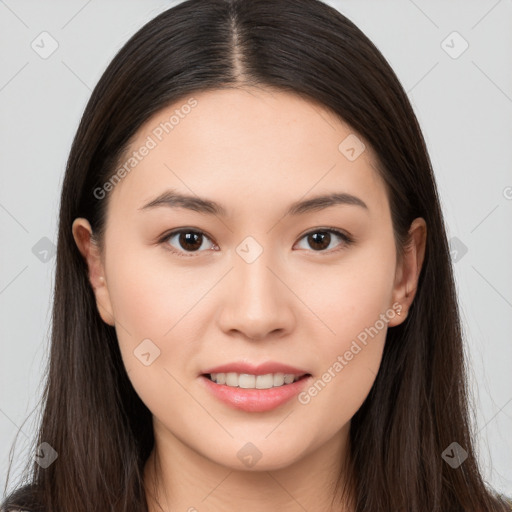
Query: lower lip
point(255, 400)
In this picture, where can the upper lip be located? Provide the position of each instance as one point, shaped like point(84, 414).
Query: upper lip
point(251, 369)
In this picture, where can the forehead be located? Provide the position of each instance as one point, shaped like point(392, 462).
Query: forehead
point(246, 148)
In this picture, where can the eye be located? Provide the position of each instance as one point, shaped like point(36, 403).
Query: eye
point(321, 239)
point(190, 241)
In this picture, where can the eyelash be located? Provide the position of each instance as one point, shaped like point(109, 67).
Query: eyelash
point(347, 240)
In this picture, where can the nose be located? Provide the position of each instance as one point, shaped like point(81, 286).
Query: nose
point(258, 302)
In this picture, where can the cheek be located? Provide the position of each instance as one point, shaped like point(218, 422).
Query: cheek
point(148, 301)
point(354, 306)
point(351, 295)
point(156, 335)
point(150, 292)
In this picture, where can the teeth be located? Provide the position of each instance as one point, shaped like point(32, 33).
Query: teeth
point(247, 381)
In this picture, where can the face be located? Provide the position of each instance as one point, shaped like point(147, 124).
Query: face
point(258, 280)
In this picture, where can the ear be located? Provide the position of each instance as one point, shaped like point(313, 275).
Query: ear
point(408, 271)
point(82, 233)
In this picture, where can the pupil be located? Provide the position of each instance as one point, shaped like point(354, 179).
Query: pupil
point(188, 239)
point(193, 240)
point(323, 236)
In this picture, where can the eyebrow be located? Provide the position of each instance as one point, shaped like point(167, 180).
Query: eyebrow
point(174, 199)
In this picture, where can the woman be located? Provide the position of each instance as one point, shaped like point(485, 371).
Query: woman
point(254, 305)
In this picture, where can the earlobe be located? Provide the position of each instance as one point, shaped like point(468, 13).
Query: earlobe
point(90, 251)
point(407, 275)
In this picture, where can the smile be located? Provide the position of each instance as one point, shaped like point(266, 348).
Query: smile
point(252, 398)
point(248, 381)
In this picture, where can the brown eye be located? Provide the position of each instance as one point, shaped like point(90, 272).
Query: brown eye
point(321, 239)
point(184, 241)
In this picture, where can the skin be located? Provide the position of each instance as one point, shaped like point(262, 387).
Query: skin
point(254, 151)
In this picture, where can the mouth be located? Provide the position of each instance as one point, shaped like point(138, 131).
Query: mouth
point(250, 381)
point(255, 393)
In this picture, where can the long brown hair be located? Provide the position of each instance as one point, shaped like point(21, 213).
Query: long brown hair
point(418, 405)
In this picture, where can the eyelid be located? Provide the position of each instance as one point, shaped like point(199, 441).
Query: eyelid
point(165, 238)
point(347, 239)
point(329, 229)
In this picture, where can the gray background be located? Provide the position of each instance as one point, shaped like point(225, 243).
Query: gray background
point(463, 102)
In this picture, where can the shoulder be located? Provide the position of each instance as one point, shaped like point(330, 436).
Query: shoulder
point(507, 500)
point(22, 499)
point(15, 510)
